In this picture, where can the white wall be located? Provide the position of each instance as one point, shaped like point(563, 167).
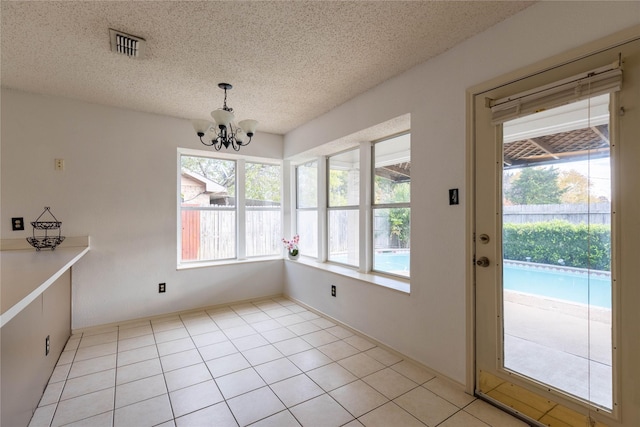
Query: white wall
point(119, 186)
point(430, 324)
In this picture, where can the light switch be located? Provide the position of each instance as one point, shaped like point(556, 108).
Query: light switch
point(453, 196)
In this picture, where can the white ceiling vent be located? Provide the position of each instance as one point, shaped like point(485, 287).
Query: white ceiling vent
point(126, 44)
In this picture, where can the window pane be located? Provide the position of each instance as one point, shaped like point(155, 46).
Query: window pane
point(307, 185)
point(344, 179)
point(263, 232)
point(392, 241)
point(557, 246)
point(208, 235)
point(344, 238)
point(262, 200)
point(262, 184)
point(392, 182)
point(307, 226)
point(206, 182)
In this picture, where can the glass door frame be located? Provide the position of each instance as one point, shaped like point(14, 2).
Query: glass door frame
point(476, 101)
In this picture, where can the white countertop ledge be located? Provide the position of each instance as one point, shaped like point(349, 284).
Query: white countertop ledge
point(27, 273)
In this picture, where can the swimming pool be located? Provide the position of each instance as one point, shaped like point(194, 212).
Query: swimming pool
point(573, 286)
point(392, 261)
point(570, 285)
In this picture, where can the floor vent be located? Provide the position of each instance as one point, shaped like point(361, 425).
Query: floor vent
point(126, 44)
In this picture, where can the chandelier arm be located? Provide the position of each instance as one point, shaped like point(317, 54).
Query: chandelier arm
point(231, 136)
point(204, 141)
point(244, 144)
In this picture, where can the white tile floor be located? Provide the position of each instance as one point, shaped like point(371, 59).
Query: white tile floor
point(267, 363)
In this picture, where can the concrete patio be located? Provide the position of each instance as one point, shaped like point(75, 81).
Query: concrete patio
point(564, 345)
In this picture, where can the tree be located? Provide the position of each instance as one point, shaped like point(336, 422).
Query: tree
point(389, 191)
point(507, 180)
point(576, 187)
point(535, 186)
point(399, 220)
point(307, 185)
point(343, 187)
point(262, 182)
point(221, 172)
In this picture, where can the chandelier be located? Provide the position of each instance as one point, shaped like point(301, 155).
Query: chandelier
point(223, 131)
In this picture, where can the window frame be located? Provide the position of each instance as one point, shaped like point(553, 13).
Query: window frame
point(315, 208)
point(347, 207)
point(265, 208)
point(240, 208)
point(365, 208)
point(379, 206)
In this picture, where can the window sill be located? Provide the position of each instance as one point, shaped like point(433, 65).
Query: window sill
point(226, 262)
point(393, 283)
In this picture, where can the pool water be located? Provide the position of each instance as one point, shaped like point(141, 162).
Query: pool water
point(390, 261)
point(582, 288)
point(394, 262)
point(577, 287)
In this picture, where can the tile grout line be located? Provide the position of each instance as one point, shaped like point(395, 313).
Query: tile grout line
point(164, 378)
point(210, 373)
point(228, 312)
point(115, 379)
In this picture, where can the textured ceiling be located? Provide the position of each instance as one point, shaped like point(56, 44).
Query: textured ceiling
point(289, 62)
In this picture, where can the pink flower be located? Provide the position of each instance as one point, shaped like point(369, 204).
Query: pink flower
point(291, 245)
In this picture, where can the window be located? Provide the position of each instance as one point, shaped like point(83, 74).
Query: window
point(262, 201)
point(363, 215)
point(213, 213)
point(344, 208)
point(307, 207)
point(391, 205)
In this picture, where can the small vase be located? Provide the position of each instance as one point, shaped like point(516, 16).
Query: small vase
point(293, 257)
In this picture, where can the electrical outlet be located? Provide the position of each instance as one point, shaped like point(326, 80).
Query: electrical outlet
point(59, 164)
point(47, 346)
point(333, 290)
point(162, 288)
point(17, 224)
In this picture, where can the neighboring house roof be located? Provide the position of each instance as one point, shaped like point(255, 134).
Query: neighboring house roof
point(214, 189)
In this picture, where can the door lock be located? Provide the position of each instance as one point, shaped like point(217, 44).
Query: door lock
point(483, 262)
point(484, 239)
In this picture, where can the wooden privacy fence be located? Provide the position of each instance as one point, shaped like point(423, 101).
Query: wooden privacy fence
point(211, 234)
point(575, 213)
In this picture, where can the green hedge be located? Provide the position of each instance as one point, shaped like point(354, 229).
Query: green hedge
point(579, 245)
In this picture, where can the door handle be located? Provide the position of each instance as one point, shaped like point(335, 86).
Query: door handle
point(483, 262)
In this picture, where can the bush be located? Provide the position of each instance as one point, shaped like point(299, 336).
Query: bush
point(578, 245)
